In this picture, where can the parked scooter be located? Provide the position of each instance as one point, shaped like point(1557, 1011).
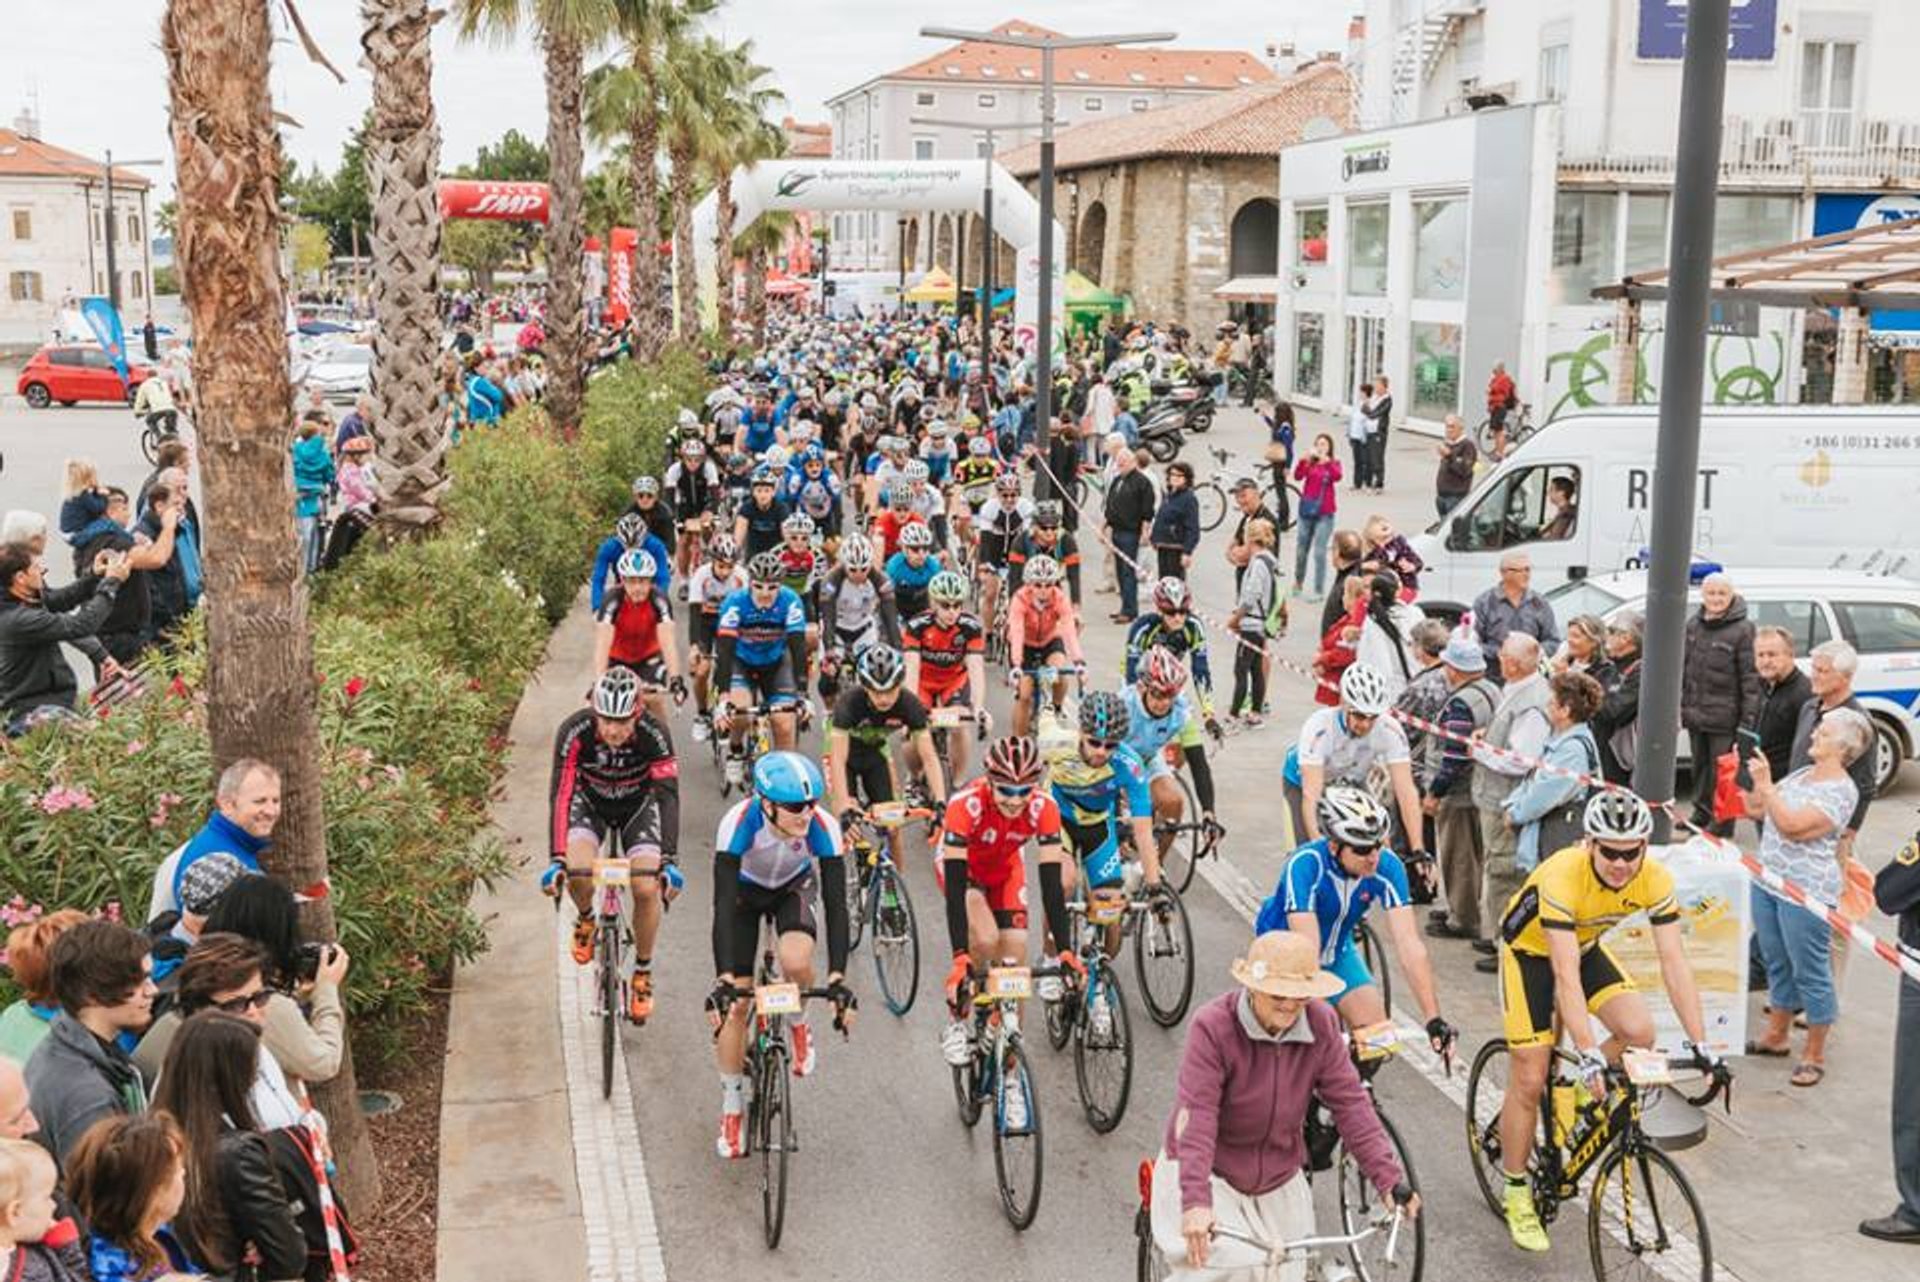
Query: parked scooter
point(1164, 426)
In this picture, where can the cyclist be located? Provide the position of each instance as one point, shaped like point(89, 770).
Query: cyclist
point(764, 859)
point(983, 876)
point(1044, 536)
point(946, 656)
point(1173, 626)
point(614, 773)
point(800, 568)
point(856, 609)
point(912, 568)
point(1326, 890)
point(891, 521)
point(1159, 713)
point(939, 453)
point(1093, 776)
point(1000, 521)
point(757, 526)
point(865, 718)
point(658, 515)
point(630, 531)
point(761, 426)
point(810, 488)
point(761, 647)
point(154, 405)
point(693, 482)
point(1040, 634)
point(1345, 745)
point(710, 585)
point(635, 631)
point(1554, 967)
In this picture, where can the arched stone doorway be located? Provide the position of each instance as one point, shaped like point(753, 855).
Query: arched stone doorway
point(943, 242)
point(1254, 239)
point(911, 252)
point(1092, 247)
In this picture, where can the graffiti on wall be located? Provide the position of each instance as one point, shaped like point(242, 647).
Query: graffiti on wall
point(1740, 371)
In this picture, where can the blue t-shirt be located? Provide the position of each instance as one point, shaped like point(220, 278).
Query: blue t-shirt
point(1313, 882)
point(760, 437)
point(761, 634)
point(1089, 794)
point(1148, 734)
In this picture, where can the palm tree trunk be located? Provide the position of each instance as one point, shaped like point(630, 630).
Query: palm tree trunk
point(403, 164)
point(649, 319)
point(757, 294)
point(685, 279)
point(260, 678)
point(565, 241)
point(723, 253)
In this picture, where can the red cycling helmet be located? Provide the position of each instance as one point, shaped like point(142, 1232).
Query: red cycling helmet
point(1161, 672)
point(1013, 762)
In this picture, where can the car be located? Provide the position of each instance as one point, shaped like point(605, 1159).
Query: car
point(73, 372)
point(341, 372)
point(1877, 614)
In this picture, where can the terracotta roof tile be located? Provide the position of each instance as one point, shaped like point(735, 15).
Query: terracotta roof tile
point(23, 157)
point(807, 141)
point(1257, 120)
point(1110, 66)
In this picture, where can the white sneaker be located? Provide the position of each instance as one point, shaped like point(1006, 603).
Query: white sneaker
point(1049, 988)
point(956, 1043)
point(702, 730)
point(1013, 1105)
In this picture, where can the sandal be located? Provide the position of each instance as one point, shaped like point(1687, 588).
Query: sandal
point(1771, 1052)
point(1808, 1074)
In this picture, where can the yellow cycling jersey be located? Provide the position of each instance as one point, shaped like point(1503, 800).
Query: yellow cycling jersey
point(1563, 893)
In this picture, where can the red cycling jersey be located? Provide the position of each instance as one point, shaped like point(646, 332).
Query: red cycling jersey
point(943, 652)
point(636, 625)
point(992, 841)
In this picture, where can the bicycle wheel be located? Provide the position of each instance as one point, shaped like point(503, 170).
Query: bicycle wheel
point(1103, 1050)
point(1148, 1264)
point(966, 1089)
point(1058, 1014)
point(1644, 1220)
point(612, 1001)
point(1360, 1202)
point(896, 939)
point(1486, 1091)
point(1163, 956)
point(1213, 504)
point(1374, 954)
point(860, 902)
point(150, 439)
point(1188, 844)
point(1016, 1150)
point(773, 1100)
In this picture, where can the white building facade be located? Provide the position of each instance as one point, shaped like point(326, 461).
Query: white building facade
point(1819, 135)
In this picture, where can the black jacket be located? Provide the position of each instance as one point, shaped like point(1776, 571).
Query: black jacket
point(33, 672)
point(258, 1213)
point(1177, 523)
point(1719, 687)
point(1619, 708)
point(1129, 503)
point(1897, 892)
point(1774, 723)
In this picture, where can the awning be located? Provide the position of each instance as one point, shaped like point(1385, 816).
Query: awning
point(1250, 289)
point(935, 287)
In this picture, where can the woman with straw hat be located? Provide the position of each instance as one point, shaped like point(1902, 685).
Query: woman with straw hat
point(1233, 1157)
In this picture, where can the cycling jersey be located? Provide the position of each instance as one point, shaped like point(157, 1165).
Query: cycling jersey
point(867, 728)
point(660, 519)
point(695, 491)
point(1091, 794)
point(999, 526)
point(797, 569)
point(636, 625)
point(1564, 893)
point(975, 477)
point(1188, 641)
point(767, 858)
point(1147, 734)
point(939, 462)
point(613, 781)
point(760, 431)
point(707, 590)
point(910, 582)
point(1039, 617)
point(886, 528)
point(943, 651)
point(992, 842)
point(817, 496)
point(761, 633)
point(1025, 547)
point(852, 606)
point(1345, 758)
point(763, 527)
point(1313, 882)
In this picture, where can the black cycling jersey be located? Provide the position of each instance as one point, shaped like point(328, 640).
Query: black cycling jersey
point(763, 527)
point(614, 780)
point(868, 727)
point(694, 490)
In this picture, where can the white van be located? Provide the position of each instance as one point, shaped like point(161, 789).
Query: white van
point(1877, 614)
point(1796, 487)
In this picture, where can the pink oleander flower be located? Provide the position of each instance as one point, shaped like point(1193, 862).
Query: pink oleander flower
point(18, 912)
point(354, 687)
point(136, 746)
point(59, 798)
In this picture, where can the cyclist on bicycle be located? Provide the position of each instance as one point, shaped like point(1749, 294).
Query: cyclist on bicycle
point(856, 609)
point(764, 859)
point(615, 775)
point(912, 568)
point(865, 719)
point(810, 488)
point(761, 650)
point(708, 588)
point(1326, 890)
point(800, 567)
point(983, 876)
point(946, 656)
point(635, 631)
point(661, 521)
point(1041, 633)
point(1044, 536)
point(1346, 745)
point(892, 520)
point(693, 482)
point(756, 528)
point(1158, 714)
point(1555, 971)
point(998, 523)
point(153, 405)
point(1093, 776)
point(629, 532)
point(1173, 626)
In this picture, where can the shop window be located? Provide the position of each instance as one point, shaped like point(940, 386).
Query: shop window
point(1804, 621)
point(1440, 249)
point(1436, 369)
point(1880, 627)
point(1646, 231)
point(1584, 244)
point(1531, 505)
point(1309, 347)
point(1741, 223)
point(1367, 249)
point(1309, 249)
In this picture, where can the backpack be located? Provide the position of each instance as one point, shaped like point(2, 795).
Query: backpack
point(1274, 622)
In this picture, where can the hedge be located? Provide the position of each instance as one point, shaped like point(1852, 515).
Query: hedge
point(421, 651)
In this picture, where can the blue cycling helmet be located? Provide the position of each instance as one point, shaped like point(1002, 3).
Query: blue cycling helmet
point(788, 778)
point(763, 475)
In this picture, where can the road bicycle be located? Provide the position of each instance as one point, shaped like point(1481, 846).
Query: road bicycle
point(1374, 954)
point(1215, 494)
point(1045, 703)
point(883, 907)
point(1093, 1015)
point(948, 720)
point(156, 429)
point(1643, 1218)
point(1519, 427)
point(612, 941)
point(1358, 1200)
point(1000, 1073)
point(1193, 838)
point(1162, 941)
point(736, 770)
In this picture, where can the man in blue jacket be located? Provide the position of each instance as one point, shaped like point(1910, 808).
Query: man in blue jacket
point(630, 531)
point(246, 808)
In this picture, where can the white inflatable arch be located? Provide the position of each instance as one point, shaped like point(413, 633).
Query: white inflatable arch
point(837, 185)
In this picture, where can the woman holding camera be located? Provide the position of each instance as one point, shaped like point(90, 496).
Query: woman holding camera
point(305, 1026)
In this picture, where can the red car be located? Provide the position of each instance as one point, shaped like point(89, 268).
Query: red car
point(70, 372)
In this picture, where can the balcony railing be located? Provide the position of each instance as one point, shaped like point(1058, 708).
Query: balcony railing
point(1814, 148)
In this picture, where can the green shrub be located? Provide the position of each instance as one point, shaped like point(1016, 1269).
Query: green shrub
point(629, 413)
point(522, 497)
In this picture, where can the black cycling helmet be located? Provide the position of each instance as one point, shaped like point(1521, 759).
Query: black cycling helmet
point(1104, 716)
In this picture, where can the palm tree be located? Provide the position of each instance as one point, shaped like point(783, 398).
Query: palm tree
point(693, 92)
point(260, 678)
point(608, 201)
point(623, 99)
point(403, 171)
point(567, 29)
point(744, 137)
point(758, 243)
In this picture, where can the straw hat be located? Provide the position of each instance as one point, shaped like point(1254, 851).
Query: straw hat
point(1284, 963)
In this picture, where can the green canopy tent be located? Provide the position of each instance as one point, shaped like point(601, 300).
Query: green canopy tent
point(1087, 304)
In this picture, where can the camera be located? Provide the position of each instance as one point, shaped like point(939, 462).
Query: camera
point(306, 965)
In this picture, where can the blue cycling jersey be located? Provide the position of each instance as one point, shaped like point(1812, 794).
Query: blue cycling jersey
point(1090, 794)
point(1313, 882)
point(1148, 734)
point(768, 857)
point(760, 432)
point(761, 634)
point(907, 579)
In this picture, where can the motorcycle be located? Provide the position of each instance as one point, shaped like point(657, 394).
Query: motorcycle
point(1164, 426)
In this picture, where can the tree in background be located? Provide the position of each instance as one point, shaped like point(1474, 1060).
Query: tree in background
point(516, 158)
point(744, 137)
point(479, 247)
point(312, 251)
point(341, 201)
point(757, 244)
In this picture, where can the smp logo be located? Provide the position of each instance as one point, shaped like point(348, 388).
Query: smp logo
point(1369, 158)
point(793, 184)
point(506, 204)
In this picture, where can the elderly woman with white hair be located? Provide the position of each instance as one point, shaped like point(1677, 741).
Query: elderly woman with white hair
point(1719, 686)
point(1801, 818)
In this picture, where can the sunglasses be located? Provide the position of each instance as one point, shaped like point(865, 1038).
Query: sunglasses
point(1362, 852)
point(1102, 745)
point(1013, 792)
point(241, 1005)
point(792, 807)
point(1615, 854)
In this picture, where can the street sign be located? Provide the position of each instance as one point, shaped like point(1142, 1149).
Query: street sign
point(1750, 38)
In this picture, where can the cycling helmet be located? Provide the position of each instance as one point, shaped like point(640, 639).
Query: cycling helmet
point(787, 778)
point(1352, 816)
point(813, 453)
point(1042, 572)
point(926, 415)
point(630, 529)
point(763, 474)
point(856, 553)
point(1008, 483)
point(938, 429)
point(880, 667)
point(723, 548)
point(946, 588)
point(1047, 514)
point(645, 485)
point(979, 446)
point(1104, 716)
point(1162, 672)
point(637, 563)
point(799, 523)
point(616, 694)
point(900, 496)
point(916, 537)
point(687, 419)
point(916, 470)
point(693, 447)
point(1014, 762)
point(1364, 690)
point(1171, 594)
point(765, 568)
point(776, 458)
point(1616, 815)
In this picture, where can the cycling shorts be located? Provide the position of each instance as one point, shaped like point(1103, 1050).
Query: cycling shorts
point(1097, 846)
point(1053, 654)
point(941, 688)
point(701, 631)
point(771, 685)
point(631, 826)
point(1526, 991)
point(869, 774)
point(1351, 967)
point(1007, 896)
point(790, 907)
point(651, 670)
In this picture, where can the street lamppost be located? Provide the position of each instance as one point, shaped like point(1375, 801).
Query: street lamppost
point(900, 241)
point(113, 275)
point(1046, 44)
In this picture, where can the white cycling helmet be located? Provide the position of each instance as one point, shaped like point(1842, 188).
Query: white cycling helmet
point(1352, 816)
point(616, 694)
point(1364, 690)
point(856, 552)
point(917, 536)
point(637, 563)
point(1042, 572)
point(1616, 815)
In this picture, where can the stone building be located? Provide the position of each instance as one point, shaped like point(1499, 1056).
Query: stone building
point(1179, 208)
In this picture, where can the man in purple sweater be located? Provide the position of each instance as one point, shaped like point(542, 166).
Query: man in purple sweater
point(1234, 1150)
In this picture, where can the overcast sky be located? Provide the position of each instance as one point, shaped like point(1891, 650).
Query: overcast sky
point(95, 70)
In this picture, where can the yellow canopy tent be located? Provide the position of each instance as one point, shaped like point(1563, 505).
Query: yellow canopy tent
point(935, 287)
